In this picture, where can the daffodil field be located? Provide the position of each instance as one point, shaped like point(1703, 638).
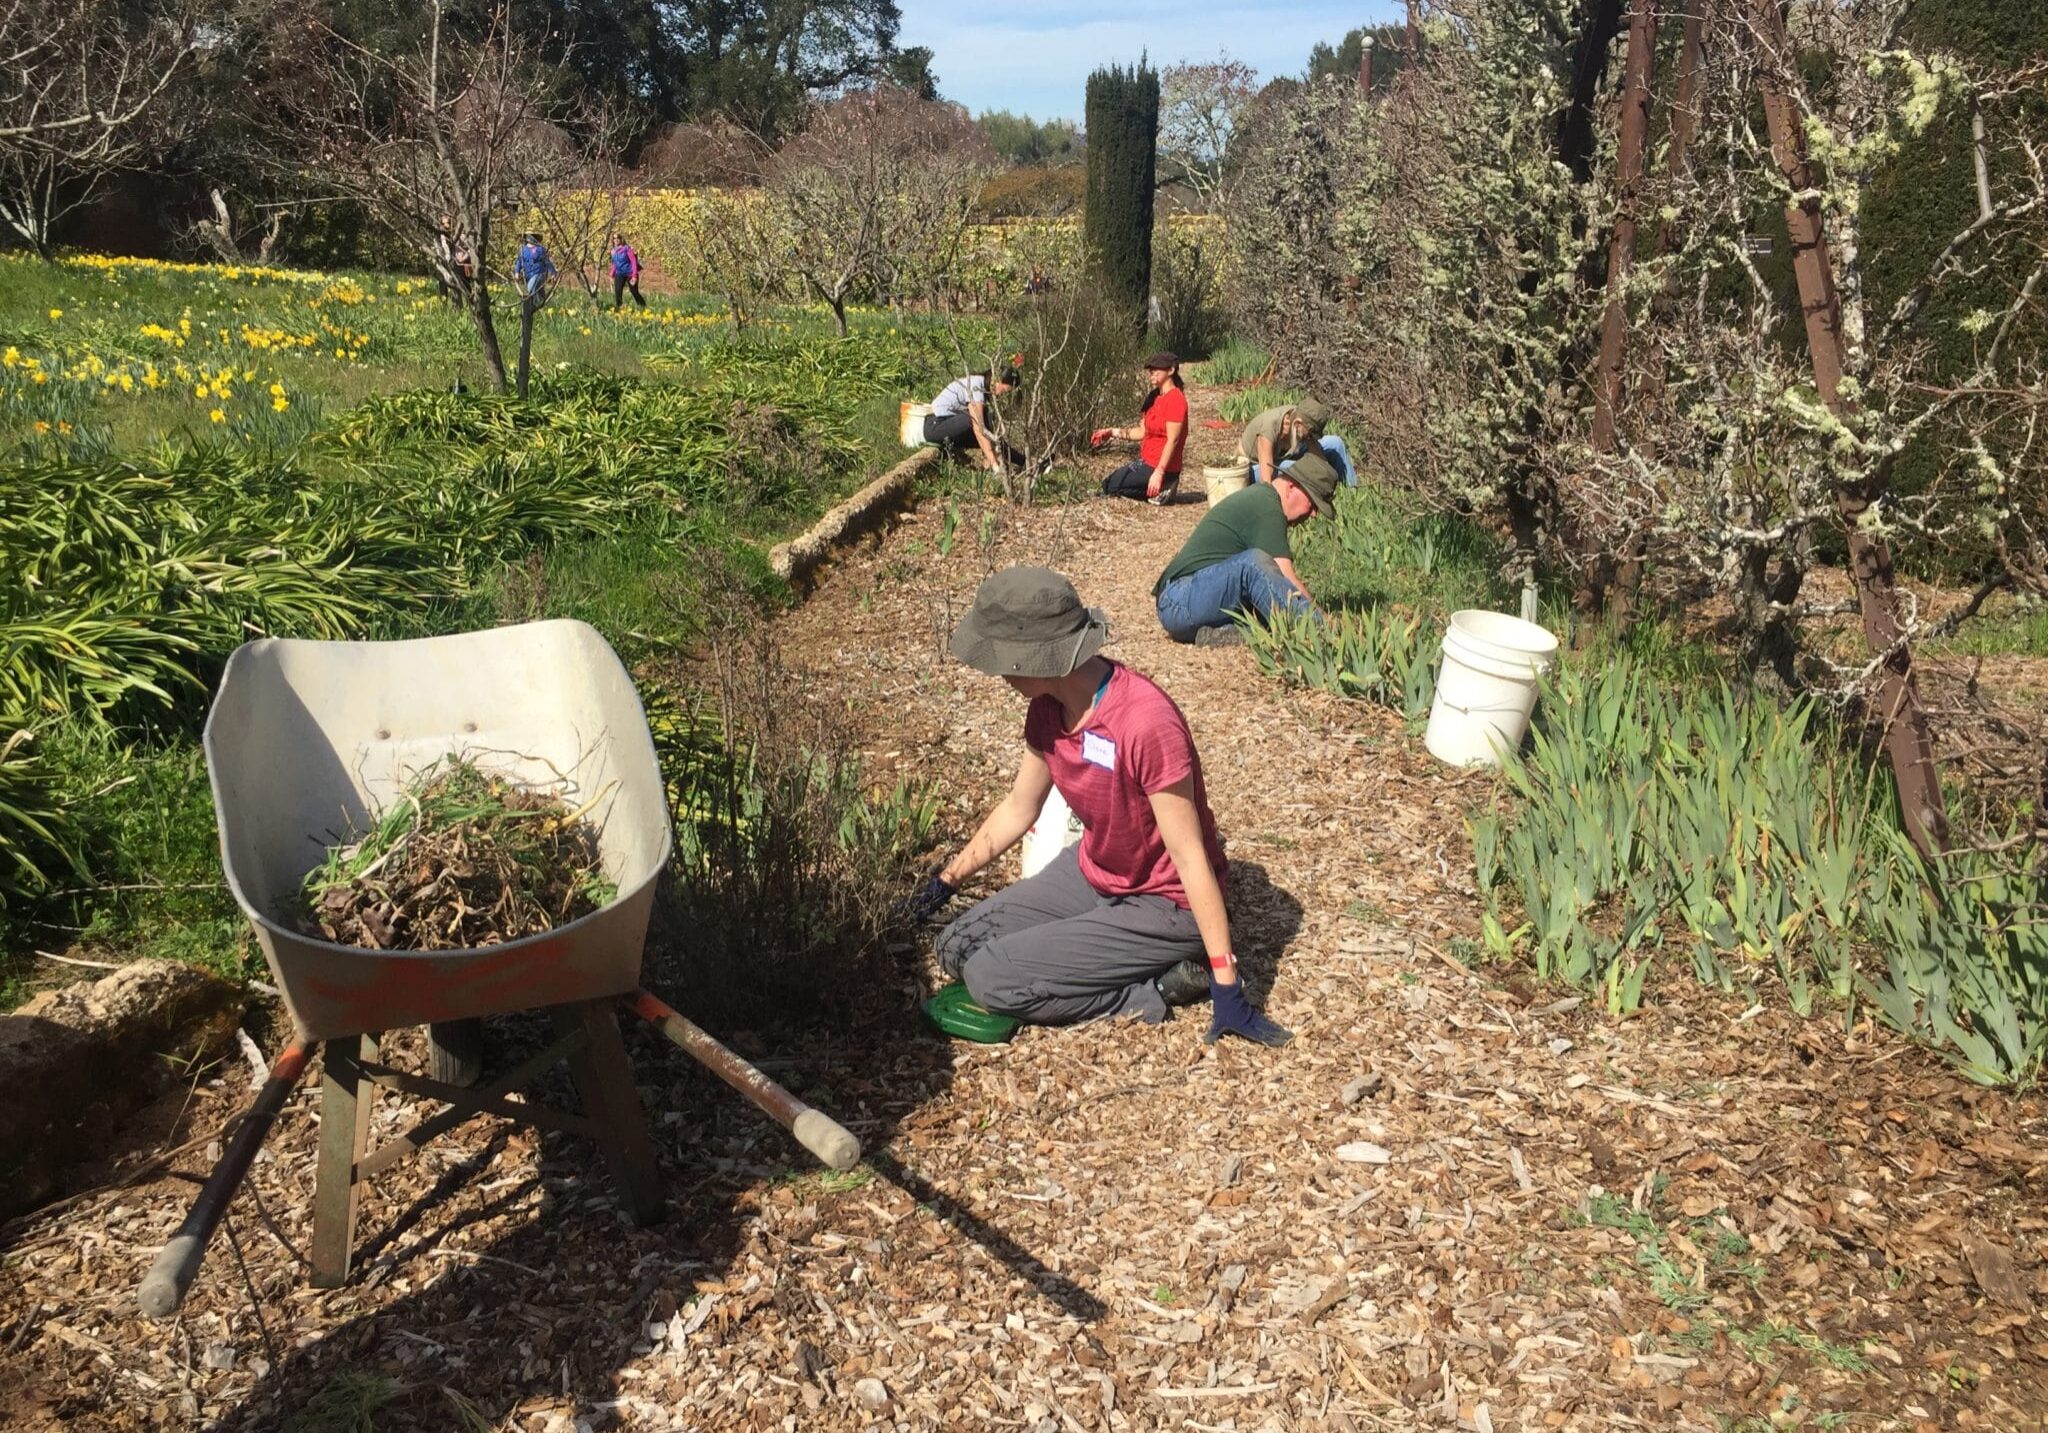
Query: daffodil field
point(192, 455)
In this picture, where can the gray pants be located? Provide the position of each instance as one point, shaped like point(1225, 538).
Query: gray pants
point(1051, 950)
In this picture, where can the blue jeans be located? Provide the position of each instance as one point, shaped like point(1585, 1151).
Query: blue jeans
point(1339, 456)
point(1249, 582)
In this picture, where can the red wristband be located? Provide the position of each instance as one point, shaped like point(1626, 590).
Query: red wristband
point(1225, 961)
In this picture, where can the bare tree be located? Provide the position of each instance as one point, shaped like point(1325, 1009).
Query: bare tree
point(1201, 109)
point(79, 84)
point(873, 197)
point(227, 234)
point(579, 206)
point(721, 240)
point(438, 139)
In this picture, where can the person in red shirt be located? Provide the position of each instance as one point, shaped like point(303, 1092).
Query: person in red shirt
point(1132, 920)
point(1161, 432)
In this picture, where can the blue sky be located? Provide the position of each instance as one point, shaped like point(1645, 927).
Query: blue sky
point(1034, 56)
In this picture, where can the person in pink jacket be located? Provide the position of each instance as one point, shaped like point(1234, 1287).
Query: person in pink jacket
point(625, 273)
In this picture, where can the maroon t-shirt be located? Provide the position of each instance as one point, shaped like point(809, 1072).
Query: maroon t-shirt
point(1135, 744)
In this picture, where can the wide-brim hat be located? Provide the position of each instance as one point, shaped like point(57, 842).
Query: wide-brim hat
point(1029, 622)
point(1312, 473)
point(1314, 413)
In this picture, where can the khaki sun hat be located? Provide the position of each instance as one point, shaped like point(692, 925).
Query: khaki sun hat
point(1029, 622)
point(1315, 413)
point(1312, 473)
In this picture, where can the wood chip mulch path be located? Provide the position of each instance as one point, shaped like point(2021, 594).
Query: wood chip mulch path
point(1458, 1200)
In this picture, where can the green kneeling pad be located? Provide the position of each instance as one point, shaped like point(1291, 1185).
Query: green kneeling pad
point(953, 1010)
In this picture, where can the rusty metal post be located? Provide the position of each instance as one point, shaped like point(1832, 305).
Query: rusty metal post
point(1908, 737)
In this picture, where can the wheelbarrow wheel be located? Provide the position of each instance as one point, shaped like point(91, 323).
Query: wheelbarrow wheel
point(455, 1051)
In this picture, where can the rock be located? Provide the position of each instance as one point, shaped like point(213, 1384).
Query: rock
point(1231, 1169)
point(99, 1050)
point(872, 1394)
point(1361, 1088)
point(218, 1355)
point(1560, 1046)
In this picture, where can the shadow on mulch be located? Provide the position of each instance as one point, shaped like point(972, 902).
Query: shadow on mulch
point(559, 1303)
point(1264, 919)
point(562, 1302)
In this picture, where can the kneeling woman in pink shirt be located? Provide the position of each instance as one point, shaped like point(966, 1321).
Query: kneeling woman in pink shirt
point(1132, 920)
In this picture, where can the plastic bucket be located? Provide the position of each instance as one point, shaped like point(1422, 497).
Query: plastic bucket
point(1222, 482)
point(1056, 828)
point(1486, 687)
point(911, 423)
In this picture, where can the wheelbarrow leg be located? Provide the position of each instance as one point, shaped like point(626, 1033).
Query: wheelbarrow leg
point(604, 1082)
point(347, 1098)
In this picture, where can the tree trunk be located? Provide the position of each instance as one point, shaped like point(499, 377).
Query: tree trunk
point(1685, 123)
point(838, 302)
point(1629, 168)
point(525, 339)
point(1908, 738)
point(1589, 64)
point(1532, 502)
point(479, 306)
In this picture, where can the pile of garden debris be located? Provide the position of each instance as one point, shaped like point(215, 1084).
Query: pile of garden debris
point(462, 858)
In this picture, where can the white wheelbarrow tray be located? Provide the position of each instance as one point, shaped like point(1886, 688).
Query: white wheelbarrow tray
point(307, 740)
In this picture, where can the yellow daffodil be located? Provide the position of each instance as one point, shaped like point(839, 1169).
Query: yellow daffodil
point(217, 416)
point(56, 313)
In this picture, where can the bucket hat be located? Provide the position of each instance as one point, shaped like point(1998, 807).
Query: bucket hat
point(1315, 413)
point(1029, 622)
point(1165, 358)
point(1312, 473)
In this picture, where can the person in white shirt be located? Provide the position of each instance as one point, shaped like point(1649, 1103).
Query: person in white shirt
point(959, 416)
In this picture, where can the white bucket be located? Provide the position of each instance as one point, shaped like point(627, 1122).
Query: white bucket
point(911, 423)
point(1055, 829)
point(1486, 687)
point(1222, 482)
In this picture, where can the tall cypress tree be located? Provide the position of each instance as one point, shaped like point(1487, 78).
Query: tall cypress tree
point(1123, 147)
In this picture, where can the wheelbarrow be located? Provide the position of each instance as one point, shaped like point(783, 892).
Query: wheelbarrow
point(309, 739)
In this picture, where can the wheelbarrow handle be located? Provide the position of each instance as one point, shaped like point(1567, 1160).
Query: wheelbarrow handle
point(164, 1287)
point(814, 1130)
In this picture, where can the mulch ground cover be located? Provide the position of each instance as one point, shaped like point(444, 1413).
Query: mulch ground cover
point(1457, 1200)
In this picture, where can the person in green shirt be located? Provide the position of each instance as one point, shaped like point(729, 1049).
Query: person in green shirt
point(1239, 560)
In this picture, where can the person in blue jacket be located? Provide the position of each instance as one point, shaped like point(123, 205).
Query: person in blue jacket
point(533, 267)
point(625, 273)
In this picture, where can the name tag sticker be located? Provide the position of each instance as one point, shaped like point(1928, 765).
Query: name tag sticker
point(1099, 749)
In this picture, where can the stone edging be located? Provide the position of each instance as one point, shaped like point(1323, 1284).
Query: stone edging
point(796, 559)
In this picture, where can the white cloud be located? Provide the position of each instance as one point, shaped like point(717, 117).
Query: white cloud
point(1036, 58)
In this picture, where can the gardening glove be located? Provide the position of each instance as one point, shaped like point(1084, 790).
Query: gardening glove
point(927, 900)
point(1100, 436)
point(1232, 1014)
